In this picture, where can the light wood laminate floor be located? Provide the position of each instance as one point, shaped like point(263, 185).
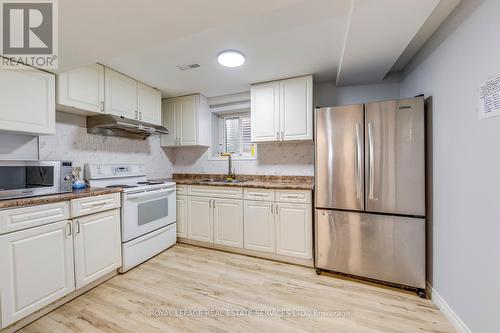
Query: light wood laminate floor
point(192, 278)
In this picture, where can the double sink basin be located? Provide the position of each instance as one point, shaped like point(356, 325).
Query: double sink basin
point(222, 181)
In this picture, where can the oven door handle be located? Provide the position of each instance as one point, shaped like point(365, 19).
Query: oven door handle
point(149, 193)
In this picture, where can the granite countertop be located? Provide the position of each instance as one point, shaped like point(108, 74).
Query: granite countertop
point(47, 199)
point(255, 181)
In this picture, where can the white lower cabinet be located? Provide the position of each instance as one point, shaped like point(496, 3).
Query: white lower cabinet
point(40, 264)
point(228, 222)
point(259, 226)
point(274, 221)
point(37, 269)
point(200, 219)
point(182, 216)
point(294, 230)
point(97, 246)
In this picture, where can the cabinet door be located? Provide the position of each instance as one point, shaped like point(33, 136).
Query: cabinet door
point(121, 94)
point(265, 112)
point(296, 109)
point(169, 119)
point(260, 226)
point(149, 104)
point(200, 219)
point(182, 215)
point(294, 230)
point(27, 101)
point(37, 269)
point(228, 222)
point(187, 129)
point(97, 246)
point(82, 88)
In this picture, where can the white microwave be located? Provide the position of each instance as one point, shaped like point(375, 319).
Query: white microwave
point(19, 179)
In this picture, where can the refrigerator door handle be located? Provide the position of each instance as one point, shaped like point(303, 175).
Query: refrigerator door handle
point(371, 159)
point(358, 160)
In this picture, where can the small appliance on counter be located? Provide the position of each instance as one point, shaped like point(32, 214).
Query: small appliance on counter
point(78, 183)
point(148, 211)
point(20, 179)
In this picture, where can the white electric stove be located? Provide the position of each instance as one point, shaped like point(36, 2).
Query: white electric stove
point(148, 212)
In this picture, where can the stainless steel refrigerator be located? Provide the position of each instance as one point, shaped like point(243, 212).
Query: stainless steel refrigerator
point(370, 191)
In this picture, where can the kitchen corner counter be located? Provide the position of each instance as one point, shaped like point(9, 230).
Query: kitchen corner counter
point(47, 199)
point(253, 181)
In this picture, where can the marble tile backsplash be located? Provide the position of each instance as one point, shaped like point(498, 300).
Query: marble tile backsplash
point(272, 159)
point(73, 143)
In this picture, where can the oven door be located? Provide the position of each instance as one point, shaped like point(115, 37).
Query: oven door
point(147, 211)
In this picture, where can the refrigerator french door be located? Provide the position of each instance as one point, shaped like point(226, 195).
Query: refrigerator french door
point(370, 190)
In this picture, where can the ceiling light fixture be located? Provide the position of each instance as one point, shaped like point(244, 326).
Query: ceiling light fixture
point(231, 58)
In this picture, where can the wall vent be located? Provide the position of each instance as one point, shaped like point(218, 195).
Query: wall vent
point(186, 67)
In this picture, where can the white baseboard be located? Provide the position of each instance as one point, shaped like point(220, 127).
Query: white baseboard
point(447, 311)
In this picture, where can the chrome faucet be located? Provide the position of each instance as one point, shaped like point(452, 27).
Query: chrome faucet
point(230, 174)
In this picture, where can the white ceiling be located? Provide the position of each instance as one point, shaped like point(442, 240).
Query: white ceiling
point(353, 41)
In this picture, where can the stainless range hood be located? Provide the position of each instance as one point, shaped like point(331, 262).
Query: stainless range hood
point(110, 125)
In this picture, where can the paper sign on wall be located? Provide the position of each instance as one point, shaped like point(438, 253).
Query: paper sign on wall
point(489, 98)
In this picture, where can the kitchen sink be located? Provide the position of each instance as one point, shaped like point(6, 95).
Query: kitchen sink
point(222, 181)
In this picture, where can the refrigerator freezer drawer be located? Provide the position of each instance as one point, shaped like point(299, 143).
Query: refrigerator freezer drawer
point(385, 248)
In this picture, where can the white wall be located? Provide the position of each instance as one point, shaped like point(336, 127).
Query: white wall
point(72, 143)
point(466, 165)
point(18, 147)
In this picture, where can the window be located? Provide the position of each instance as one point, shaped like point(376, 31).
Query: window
point(235, 135)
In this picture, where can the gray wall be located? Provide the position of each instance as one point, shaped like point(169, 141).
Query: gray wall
point(327, 94)
point(466, 163)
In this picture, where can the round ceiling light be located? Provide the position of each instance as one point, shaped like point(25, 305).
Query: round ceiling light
point(231, 58)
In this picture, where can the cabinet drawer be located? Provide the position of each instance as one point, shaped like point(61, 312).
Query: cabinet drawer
point(216, 191)
point(299, 196)
point(259, 194)
point(28, 217)
point(90, 205)
point(182, 189)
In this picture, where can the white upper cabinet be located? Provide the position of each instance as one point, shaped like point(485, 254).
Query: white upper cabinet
point(188, 120)
point(189, 107)
point(27, 101)
point(96, 89)
point(169, 118)
point(121, 95)
point(131, 99)
point(81, 90)
point(296, 109)
point(282, 110)
point(265, 116)
point(148, 104)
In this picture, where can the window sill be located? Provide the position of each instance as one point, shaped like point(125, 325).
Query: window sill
point(233, 157)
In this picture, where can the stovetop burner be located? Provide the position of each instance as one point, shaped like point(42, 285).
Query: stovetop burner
point(122, 186)
point(150, 183)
